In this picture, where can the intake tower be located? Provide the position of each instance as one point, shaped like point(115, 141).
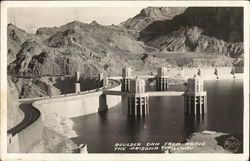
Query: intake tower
point(162, 79)
point(137, 98)
point(126, 78)
point(195, 98)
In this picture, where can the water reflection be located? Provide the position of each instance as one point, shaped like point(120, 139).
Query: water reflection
point(166, 120)
point(194, 123)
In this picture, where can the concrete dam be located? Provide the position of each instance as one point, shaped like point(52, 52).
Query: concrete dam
point(29, 132)
point(94, 94)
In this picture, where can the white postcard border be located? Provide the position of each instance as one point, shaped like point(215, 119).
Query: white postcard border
point(48, 156)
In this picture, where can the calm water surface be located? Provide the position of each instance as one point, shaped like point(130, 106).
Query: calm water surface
point(166, 121)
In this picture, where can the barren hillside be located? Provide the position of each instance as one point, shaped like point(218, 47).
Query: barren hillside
point(151, 14)
point(90, 48)
point(215, 31)
point(171, 37)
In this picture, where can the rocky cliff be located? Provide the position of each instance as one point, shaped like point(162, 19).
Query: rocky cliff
point(193, 39)
point(40, 87)
point(151, 14)
point(210, 30)
point(89, 48)
point(92, 48)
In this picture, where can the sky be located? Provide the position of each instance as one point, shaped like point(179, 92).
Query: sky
point(51, 16)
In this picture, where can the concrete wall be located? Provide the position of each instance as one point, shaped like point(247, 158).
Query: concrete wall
point(30, 136)
point(77, 105)
point(13, 144)
point(88, 83)
point(26, 139)
point(70, 105)
point(112, 101)
point(67, 84)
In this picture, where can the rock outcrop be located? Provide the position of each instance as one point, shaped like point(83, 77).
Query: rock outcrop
point(151, 14)
point(210, 30)
point(192, 39)
point(15, 39)
point(89, 48)
point(55, 142)
point(225, 23)
point(31, 88)
point(93, 48)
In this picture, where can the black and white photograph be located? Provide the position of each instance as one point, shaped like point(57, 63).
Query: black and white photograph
point(124, 78)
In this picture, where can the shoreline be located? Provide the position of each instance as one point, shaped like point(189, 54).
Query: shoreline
point(69, 127)
point(215, 142)
point(189, 72)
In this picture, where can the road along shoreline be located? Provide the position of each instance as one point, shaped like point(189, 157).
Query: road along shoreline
point(66, 106)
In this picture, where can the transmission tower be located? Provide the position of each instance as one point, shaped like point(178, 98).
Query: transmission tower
point(76, 17)
point(12, 16)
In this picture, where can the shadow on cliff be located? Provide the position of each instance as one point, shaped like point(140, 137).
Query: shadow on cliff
point(224, 23)
point(66, 85)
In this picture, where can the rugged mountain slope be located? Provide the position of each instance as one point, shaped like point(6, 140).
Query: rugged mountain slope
point(149, 15)
point(15, 38)
point(192, 39)
point(90, 48)
point(224, 23)
point(41, 87)
point(217, 30)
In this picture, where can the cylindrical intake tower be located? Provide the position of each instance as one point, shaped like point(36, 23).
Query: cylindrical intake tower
point(161, 79)
point(126, 78)
point(195, 98)
point(138, 99)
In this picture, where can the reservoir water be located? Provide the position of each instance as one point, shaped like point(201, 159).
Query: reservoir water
point(166, 120)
